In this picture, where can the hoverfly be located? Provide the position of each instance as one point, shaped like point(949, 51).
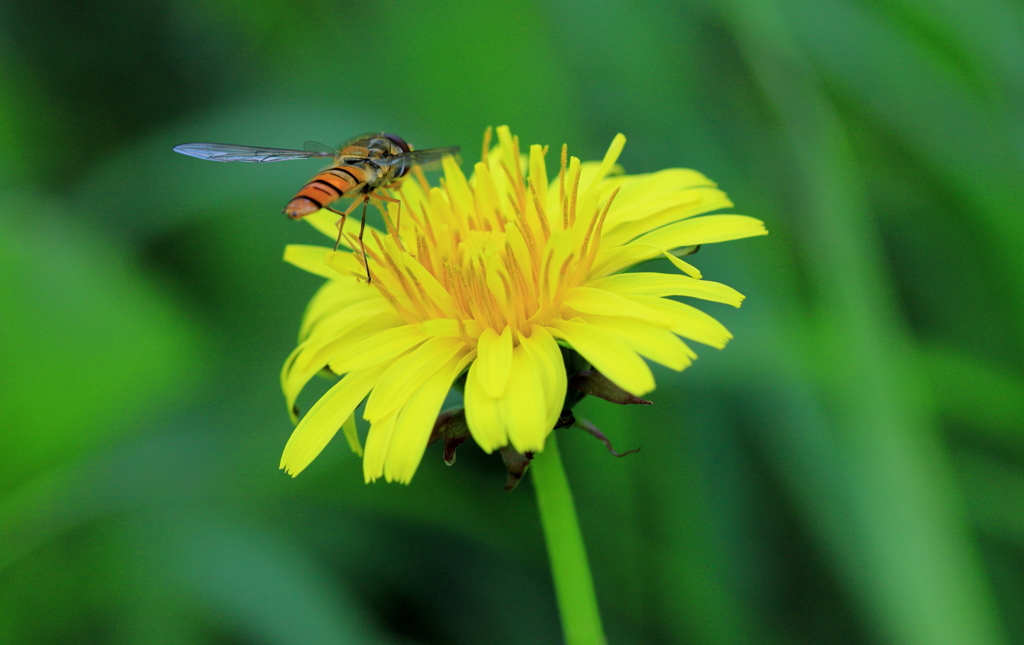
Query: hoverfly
point(360, 167)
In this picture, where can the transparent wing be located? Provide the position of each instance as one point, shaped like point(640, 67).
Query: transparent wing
point(417, 157)
point(317, 147)
point(229, 152)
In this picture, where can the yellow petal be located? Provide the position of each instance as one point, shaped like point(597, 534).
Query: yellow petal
point(586, 212)
point(575, 166)
point(525, 403)
point(539, 174)
point(485, 192)
point(329, 321)
point(407, 373)
point(520, 250)
point(333, 297)
point(547, 356)
point(340, 325)
point(345, 264)
point(615, 259)
point(437, 293)
point(485, 415)
point(641, 196)
point(310, 258)
point(497, 279)
point(661, 284)
point(531, 403)
point(286, 370)
point(506, 147)
point(443, 215)
point(416, 420)
point(462, 201)
point(685, 267)
point(324, 419)
point(644, 190)
point(378, 442)
point(315, 353)
point(448, 327)
point(607, 354)
point(378, 348)
point(657, 344)
point(637, 219)
point(688, 322)
point(612, 259)
point(559, 248)
point(600, 301)
point(704, 230)
point(494, 361)
point(589, 171)
point(352, 434)
point(610, 157)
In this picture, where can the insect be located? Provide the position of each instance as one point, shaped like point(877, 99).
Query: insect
point(359, 169)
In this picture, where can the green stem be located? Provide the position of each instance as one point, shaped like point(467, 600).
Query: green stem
point(574, 588)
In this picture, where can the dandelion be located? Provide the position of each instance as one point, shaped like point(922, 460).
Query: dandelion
point(492, 274)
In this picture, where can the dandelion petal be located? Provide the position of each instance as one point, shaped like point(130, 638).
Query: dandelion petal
point(688, 322)
point(661, 284)
point(415, 421)
point(550, 369)
point(602, 302)
point(310, 258)
point(378, 441)
point(484, 414)
point(378, 348)
point(325, 418)
point(494, 361)
point(704, 230)
point(606, 352)
point(525, 403)
point(407, 373)
point(654, 343)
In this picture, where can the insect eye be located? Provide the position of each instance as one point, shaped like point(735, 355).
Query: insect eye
point(398, 141)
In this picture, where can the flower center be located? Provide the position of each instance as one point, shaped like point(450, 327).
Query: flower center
point(498, 250)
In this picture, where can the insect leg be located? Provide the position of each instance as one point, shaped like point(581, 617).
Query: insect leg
point(362, 245)
point(341, 222)
point(398, 226)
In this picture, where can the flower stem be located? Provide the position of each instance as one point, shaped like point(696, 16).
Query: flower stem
point(574, 588)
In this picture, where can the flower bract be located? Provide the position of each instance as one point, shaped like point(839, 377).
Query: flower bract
point(491, 274)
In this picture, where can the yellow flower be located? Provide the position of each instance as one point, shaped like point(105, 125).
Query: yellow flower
point(492, 274)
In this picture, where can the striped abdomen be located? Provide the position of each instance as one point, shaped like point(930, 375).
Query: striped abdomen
point(323, 189)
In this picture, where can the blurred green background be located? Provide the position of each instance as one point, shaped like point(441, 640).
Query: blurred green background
point(850, 470)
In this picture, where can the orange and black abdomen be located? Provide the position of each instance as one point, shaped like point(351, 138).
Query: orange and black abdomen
point(323, 189)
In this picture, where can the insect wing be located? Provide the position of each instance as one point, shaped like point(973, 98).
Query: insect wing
point(417, 157)
point(318, 149)
point(250, 154)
